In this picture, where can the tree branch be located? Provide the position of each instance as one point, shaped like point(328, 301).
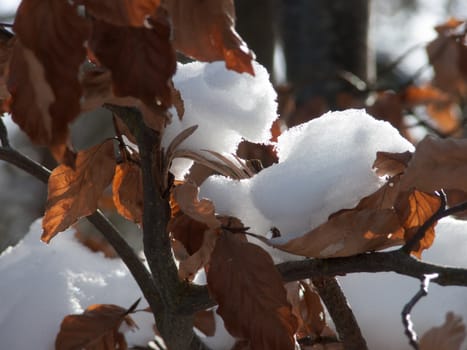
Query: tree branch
point(336, 303)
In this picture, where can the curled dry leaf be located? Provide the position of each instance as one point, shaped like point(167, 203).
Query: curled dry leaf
point(146, 75)
point(74, 193)
point(188, 231)
point(202, 210)
point(437, 164)
point(449, 336)
point(423, 95)
point(391, 164)
point(127, 189)
point(252, 300)
point(121, 12)
point(96, 328)
point(6, 50)
point(205, 30)
point(57, 55)
point(312, 311)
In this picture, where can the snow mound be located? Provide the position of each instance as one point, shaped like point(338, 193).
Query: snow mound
point(227, 107)
point(42, 283)
point(325, 165)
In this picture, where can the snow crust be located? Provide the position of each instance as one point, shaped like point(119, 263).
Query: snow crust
point(227, 107)
point(324, 165)
point(41, 284)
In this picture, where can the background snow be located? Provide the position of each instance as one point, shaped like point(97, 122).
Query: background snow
point(41, 284)
point(227, 107)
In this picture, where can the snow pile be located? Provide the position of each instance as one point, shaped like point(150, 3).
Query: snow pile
point(324, 165)
point(227, 107)
point(41, 284)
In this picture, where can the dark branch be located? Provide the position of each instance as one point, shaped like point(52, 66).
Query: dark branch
point(3, 134)
point(346, 325)
point(408, 325)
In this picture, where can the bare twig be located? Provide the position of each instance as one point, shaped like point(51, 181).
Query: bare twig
point(4, 134)
point(346, 325)
point(406, 320)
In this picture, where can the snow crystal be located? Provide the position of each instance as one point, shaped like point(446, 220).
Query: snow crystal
point(226, 106)
point(325, 165)
point(42, 283)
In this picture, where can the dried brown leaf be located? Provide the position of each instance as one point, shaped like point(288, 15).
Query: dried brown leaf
point(59, 51)
point(202, 210)
point(423, 95)
point(145, 75)
point(74, 193)
point(6, 50)
point(121, 12)
point(449, 336)
point(205, 30)
point(127, 188)
point(188, 231)
point(252, 301)
point(205, 322)
point(188, 267)
point(97, 328)
point(312, 311)
point(391, 164)
point(445, 116)
point(347, 233)
point(414, 209)
point(437, 164)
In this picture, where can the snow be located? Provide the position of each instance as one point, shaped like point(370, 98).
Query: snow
point(42, 283)
point(325, 165)
point(227, 107)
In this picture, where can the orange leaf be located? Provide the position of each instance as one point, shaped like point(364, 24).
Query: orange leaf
point(422, 95)
point(96, 328)
point(437, 164)
point(312, 311)
point(121, 12)
point(73, 193)
point(145, 75)
point(205, 30)
point(251, 297)
point(449, 336)
point(53, 57)
point(202, 210)
point(414, 209)
point(127, 188)
point(445, 116)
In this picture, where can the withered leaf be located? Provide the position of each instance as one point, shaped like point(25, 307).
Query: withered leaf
point(445, 116)
point(449, 336)
point(312, 311)
point(6, 50)
point(202, 210)
point(347, 233)
point(251, 297)
point(205, 30)
point(414, 209)
point(74, 193)
point(188, 231)
point(189, 266)
point(205, 322)
point(121, 12)
point(423, 95)
point(437, 164)
point(391, 164)
point(127, 189)
point(96, 328)
point(59, 51)
point(145, 75)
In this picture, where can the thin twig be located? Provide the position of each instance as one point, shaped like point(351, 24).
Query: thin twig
point(406, 319)
point(418, 236)
point(4, 134)
point(344, 319)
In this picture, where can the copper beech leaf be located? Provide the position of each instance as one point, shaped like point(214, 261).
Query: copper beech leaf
point(202, 210)
point(74, 193)
point(127, 189)
point(437, 164)
point(205, 322)
point(6, 50)
point(448, 336)
point(312, 311)
point(145, 75)
point(96, 328)
point(121, 12)
point(391, 164)
point(205, 30)
point(58, 53)
point(252, 300)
